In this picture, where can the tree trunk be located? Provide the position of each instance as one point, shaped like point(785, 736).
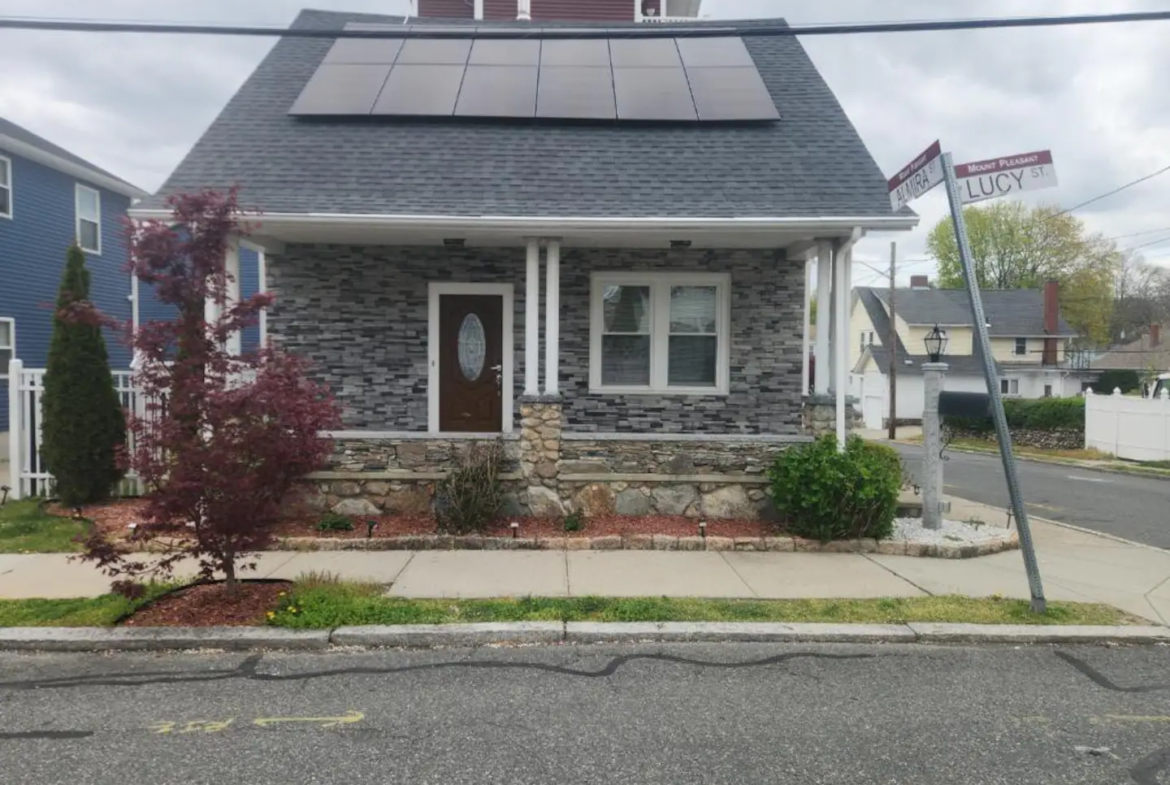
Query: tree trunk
point(229, 572)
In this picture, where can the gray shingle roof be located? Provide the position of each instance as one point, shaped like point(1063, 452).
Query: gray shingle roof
point(22, 134)
point(1010, 312)
point(812, 163)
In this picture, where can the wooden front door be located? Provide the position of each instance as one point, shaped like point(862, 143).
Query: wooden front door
point(471, 362)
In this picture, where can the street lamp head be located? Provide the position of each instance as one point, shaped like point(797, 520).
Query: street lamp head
point(936, 343)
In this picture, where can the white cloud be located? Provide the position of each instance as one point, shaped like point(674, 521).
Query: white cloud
point(1095, 95)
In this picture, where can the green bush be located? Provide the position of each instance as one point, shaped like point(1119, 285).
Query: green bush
point(575, 521)
point(1039, 414)
point(471, 496)
point(826, 494)
point(333, 522)
point(1126, 381)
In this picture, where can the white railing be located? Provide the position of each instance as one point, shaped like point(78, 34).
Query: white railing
point(26, 466)
point(1137, 429)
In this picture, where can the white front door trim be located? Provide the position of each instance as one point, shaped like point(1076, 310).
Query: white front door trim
point(435, 290)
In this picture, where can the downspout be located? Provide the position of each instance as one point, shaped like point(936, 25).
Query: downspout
point(523, 10)
point(478, 10)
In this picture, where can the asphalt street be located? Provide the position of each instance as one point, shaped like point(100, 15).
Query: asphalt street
point(912, 714)
point(1136, 508)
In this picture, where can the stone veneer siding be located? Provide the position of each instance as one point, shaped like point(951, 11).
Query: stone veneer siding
point(359, 313)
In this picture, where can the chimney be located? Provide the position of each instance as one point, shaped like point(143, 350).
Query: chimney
point(1155, 336)
point(919, 282)
point(1051, 320)
point(524, 10)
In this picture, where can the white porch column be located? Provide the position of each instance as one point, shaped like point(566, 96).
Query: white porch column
point(552, 326)
point(232, 268)
point(804, 350)
point(841, 340)
point(16, 436)
point(262, 279)
point(824, 288)
point(532, 320)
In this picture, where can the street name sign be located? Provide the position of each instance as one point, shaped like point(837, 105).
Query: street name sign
point(1002, 176)
point(918, 177)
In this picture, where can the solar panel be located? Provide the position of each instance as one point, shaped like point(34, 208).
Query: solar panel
point(575, 92)
point(576, 52)
point(364, 50)
point(341, 89)
point(731, 94)
point(653, 94)
point(505, 53)
point(424, 90)
point(633, 53)
point(434, 51)
point(498, 91)
point(714, 52)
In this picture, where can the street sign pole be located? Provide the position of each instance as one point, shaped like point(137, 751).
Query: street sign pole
point(1001, 429)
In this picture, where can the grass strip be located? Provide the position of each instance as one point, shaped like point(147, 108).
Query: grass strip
point(77, 612)
point(26, 528)
point(344, 604)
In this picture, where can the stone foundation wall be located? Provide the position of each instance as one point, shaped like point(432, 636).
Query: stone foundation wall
point(818, 416)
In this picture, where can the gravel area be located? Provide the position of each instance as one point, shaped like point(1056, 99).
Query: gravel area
point(951, 533)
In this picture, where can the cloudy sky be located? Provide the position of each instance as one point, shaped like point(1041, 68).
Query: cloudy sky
point(1094, 95)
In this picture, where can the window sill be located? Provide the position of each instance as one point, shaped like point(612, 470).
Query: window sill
point(667, 391)
point(91, 252)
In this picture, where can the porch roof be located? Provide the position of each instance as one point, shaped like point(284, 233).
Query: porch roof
point(811, 164)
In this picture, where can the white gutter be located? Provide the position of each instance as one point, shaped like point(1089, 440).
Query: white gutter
point(563, 224)
point(26, 150)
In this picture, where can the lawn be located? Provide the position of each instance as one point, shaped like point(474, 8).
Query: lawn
point(83, 612)
point(26, 528)
point(987, 445)
point(318, 605)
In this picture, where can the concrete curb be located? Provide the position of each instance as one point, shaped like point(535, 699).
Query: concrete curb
point(160, 638)
point(88, 639)
point(432, 635)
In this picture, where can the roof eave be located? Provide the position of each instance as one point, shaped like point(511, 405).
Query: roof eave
point(544, 224)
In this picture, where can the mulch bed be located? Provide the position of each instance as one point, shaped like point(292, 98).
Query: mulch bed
point(114, 517)
point(209, 605)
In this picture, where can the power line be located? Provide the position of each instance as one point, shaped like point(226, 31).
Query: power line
point(1137, 234)
point(1145, 245)
point(1163, 170)
point(647, 31)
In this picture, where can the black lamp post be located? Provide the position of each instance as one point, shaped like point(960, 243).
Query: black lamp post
point(936, 343)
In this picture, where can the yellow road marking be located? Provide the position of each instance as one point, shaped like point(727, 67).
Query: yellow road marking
point(325, 722)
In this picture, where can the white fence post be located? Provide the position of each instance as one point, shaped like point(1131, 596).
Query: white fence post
point(15, 427)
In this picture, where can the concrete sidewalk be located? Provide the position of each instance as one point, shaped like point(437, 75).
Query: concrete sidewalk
point(1075, 565)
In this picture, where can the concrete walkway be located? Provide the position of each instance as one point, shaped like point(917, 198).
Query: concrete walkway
point(1075, 566)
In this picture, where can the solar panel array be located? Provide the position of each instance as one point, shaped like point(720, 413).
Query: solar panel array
point(637, 79)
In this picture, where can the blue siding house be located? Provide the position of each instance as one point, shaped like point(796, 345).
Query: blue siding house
point(48, 198)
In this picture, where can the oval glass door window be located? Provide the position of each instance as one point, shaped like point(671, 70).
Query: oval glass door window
point(472, 347)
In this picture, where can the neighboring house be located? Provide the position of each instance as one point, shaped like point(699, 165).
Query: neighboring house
point(49, 198)
point(649, 11)
point(608, 256)
point(1029, 345)
point(1148, 355)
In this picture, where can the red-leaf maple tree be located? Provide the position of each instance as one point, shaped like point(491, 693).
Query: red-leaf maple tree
point(223, 437)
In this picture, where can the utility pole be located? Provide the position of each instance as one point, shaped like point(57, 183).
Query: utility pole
point(893, 340)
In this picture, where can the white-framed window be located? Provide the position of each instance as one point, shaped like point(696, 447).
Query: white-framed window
point(5, 187)
point(1009, 386)
point(660, 332)
point(1021, 347)
point(89, 219)
point(7, 342)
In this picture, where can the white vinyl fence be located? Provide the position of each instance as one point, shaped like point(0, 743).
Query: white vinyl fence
point(1137, 429)
point(27, 470)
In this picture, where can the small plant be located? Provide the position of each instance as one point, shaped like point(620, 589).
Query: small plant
point(471, 496)
point(332, 522)
point(826, 494)
point(575, 521)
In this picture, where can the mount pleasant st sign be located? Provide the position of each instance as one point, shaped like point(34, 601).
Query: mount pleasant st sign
point(918, 177)
point(1002, 176)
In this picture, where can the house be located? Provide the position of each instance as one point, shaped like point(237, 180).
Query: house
point(604, 266)
point(645, 11)
point(1148, 355)
point(49, 198)
point(1029, 345)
